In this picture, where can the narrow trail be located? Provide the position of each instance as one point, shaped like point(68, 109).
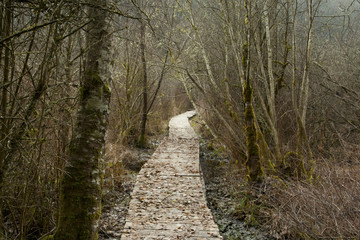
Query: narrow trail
point(168, 200)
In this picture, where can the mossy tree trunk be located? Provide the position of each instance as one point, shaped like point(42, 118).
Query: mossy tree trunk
point(253, 160)
point(81, 186)
point(253, 164)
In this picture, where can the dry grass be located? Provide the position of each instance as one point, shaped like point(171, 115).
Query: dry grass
point(115, 160)
point(327, 209)
point(289, 209)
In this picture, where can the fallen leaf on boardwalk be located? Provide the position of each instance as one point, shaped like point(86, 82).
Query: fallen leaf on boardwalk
point(175, 196)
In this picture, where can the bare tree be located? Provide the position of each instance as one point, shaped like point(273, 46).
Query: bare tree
point(142, 140)
point(253, 161)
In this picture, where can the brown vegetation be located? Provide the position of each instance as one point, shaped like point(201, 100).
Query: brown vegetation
point(328, 209)
point(301, 58)
point(289, 209)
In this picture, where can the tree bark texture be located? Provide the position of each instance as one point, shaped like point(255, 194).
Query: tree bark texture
point(144, 87)
point(81, 186)
point(253, 164)
point(4, 99)
point(4, 93)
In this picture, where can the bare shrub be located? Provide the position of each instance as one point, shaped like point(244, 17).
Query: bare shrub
point(114, 169)
point(131, 161)
point(328, 209)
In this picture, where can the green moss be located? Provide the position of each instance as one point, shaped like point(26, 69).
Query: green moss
point(253, 148)
point(245, 54)
point(93, 81)
point(74, 221)
point(293, 165)
point(81, 92)
point(93, 78)
point(80, 196)
point(230, 111)
point(255, 170)
point(107, 88)
point(289, 155)
point(210, 146)
point(142, 141)
point(51, 237)
point(248, 91)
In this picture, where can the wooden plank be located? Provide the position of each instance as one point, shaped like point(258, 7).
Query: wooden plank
point(168, 200)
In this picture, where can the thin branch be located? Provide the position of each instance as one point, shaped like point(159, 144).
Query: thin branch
point(113, 9)
point(74, 31)
point(159, 83)
point(194, 81)
point(29, 29)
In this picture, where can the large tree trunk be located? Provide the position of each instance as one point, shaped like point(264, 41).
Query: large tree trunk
point(80, 197)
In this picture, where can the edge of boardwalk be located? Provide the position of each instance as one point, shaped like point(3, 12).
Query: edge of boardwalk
point(168, 200)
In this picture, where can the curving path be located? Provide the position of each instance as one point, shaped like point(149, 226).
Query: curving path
point(168, 200)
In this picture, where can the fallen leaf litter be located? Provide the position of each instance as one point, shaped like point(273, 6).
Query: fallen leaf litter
point(168, 200)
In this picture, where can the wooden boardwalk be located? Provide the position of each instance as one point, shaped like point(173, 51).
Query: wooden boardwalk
point(168, 200)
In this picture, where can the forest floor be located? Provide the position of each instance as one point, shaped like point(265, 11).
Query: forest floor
point(221, 195)
point(263, 213)
point(116, 199)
